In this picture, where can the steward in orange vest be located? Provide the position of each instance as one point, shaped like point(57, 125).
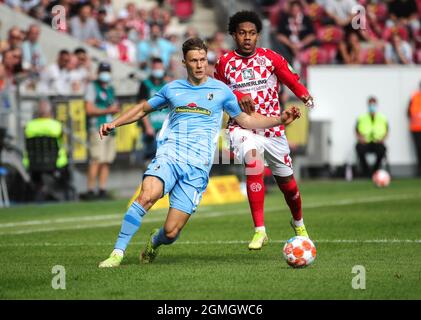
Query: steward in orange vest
point(414, 113)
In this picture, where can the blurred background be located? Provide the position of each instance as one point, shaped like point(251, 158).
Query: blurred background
point(344, 50)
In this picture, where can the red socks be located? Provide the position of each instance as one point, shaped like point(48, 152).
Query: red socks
point(293, 198)
point(256, 193)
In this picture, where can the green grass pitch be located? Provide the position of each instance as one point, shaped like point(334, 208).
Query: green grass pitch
point(350, 223)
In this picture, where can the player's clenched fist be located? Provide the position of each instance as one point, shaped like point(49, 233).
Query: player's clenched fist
point(290, 115)
point(105, 129)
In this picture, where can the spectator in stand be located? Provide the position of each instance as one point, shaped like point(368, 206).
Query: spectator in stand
point(56, 78)
point(191, 32)
point(129, 12)
point(398, 51)
point(76, 78)
point(85, 28)
point(350, 49)
point(119, 48)
point(340, 11)
point(404, 12)
point(156, 47)
point(96, 6)
point(15, 38)
point(107, 5)
point(218, 44)
point(103, 25)
point(33, 55)
point(135, 22)
point(12, 66)
point(22, 5)
point(295, 31)
point(84, 66)
point(39, 12)
point(167, 27)
point(155, 16)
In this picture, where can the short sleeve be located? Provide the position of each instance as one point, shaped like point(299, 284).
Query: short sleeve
point(160, 99)
point(231, 105)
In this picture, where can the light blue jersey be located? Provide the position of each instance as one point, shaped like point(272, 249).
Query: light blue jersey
point(191, 133)
point(188, 139)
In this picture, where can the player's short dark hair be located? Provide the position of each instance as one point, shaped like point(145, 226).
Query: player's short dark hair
point(194, 44)
point(63, 52)
point(244, 16)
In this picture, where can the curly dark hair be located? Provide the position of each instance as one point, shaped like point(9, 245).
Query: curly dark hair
point(244, 16)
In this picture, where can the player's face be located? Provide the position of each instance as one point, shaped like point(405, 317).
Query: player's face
point(196, 62)
point(246, 37)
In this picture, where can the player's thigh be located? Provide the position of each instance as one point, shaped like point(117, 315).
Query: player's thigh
point(151, 191)
point(176, 220)
point(187, 192)
point(244, 142)
point(158, 180)
point(277, 156)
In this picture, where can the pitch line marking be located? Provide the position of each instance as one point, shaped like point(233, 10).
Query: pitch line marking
point(214, 242)
point(214, 214)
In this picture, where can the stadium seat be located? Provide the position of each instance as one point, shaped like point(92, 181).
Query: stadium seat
point(388, 32)
point(42, 154)
point(315, 55)
point(380, 10)
point(330, 34)
point(372, 56)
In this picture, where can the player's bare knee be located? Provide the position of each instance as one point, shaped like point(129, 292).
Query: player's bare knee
point(146, 200)
point(172, 233)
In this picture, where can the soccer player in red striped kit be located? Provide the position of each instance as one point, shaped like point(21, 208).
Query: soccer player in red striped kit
point(255, 75)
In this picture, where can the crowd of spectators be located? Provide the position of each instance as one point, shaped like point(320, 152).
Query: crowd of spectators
point(133, 35)
point(345, 31)
point(305, 32)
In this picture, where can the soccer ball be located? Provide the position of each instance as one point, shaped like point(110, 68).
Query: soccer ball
point(299, 252)
point(381, 178)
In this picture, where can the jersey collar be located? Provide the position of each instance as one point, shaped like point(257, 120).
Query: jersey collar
point(245, 57)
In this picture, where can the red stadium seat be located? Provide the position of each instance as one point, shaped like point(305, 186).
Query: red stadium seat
point(372, 56)
point(183, 9)
point(330, 34)
point(380, 10)
point(388, 32)
point(314, 55)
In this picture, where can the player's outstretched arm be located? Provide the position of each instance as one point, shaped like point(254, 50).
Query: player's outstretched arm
point(130, 116)
point(257, 121)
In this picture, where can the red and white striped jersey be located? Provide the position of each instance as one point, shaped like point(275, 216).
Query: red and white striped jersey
point(260, 76)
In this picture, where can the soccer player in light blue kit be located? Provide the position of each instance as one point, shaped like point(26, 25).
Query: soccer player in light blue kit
point(186, 147)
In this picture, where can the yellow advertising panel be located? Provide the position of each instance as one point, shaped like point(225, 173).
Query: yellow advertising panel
point(127, 136)
point(78, 116)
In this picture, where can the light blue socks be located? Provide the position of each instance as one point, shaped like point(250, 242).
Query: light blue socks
point(131, 223)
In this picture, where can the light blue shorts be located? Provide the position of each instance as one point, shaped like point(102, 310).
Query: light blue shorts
point(184, 183)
